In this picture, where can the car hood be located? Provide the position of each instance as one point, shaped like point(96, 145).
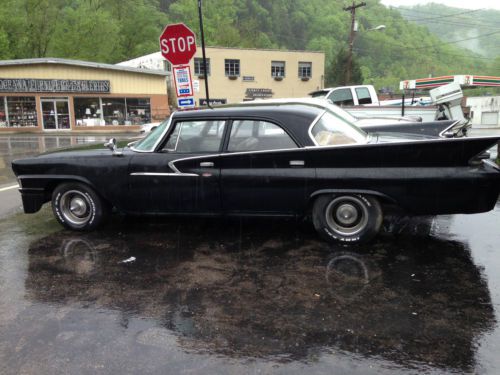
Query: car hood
point(92, 148)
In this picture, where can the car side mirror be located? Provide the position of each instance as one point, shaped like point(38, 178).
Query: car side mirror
point(111, 144)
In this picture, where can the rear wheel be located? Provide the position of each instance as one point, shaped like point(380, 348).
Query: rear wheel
point(347, 218)
point(78, 207)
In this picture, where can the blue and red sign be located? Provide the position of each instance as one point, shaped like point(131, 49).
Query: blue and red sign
point(183, 82)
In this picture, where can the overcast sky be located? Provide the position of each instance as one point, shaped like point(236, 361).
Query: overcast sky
point(466, 4)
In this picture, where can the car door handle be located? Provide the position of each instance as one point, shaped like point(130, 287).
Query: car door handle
point(297, 163)
point(206, 164)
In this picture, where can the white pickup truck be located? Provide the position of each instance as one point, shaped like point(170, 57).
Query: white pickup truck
point(348, 95)
point(363, 101)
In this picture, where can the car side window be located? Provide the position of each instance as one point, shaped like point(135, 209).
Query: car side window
point(364, 96)
point(250, 135)
point(341, 97)
point(195, 137)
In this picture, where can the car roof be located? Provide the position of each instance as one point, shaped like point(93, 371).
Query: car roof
point(295, 116)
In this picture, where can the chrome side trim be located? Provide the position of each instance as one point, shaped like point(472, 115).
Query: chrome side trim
point(173, 167)
point(309, 131)
point(298, 149)
point(164, 174)
point(491, 163)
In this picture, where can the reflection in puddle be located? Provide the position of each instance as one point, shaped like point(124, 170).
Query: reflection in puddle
point(348, 275)
point(249, 290)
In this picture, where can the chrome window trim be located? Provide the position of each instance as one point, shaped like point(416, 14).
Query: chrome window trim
point(160, 138)
point(160, 174)
point(448, 128)
point(309, 131)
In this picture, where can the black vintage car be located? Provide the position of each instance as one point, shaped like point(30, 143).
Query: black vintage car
point(287, 159)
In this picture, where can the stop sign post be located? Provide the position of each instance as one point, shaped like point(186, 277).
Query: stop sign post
point(178, 44)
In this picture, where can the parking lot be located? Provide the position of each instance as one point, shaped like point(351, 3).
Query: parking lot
point(165, 295)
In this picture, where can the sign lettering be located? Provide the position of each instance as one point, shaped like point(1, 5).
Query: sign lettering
point(53, 85)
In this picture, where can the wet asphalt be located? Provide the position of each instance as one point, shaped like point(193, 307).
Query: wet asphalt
point(205, 296)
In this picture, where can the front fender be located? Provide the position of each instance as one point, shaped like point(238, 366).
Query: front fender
point(37, 189)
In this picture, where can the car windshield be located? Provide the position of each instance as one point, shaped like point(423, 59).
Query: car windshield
point(149, 142)
point(332, 129)
point(319, 94)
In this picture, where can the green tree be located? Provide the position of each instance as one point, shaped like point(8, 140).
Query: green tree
point(4, 45)
point(336, 73)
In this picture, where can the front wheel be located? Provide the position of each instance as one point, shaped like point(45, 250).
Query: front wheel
point(78, 207)
point(352, 218)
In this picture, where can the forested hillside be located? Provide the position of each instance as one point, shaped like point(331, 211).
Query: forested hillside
point(116, 30)
point(477, 30)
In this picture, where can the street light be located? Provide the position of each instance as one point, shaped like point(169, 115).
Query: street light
point(377, 28)
point(351, 43)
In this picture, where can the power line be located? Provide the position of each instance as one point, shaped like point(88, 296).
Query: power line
point(456, 41)
point(448, 15)
point(458, 23)
point(411, 11)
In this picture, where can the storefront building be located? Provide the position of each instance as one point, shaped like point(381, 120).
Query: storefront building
point(241, 74)
point(49, 94)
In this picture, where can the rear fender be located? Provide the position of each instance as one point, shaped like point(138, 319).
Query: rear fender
point(383, 197)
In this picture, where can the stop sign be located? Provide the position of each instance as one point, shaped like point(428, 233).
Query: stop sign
point(177, 44)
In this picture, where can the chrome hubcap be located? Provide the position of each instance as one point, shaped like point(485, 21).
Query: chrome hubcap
point(78, 206)
point(75, 207)
point(347, 215)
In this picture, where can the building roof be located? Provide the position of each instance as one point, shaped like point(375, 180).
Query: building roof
point(79, 63)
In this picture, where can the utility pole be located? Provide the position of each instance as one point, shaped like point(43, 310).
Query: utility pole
point(351, 9)
point(203, 54)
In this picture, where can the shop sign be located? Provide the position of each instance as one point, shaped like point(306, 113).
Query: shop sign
point(54, 85)
point(259, 93)
point(213, 101)
point(183, 82)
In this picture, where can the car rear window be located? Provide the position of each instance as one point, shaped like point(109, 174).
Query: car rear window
point(331, 130)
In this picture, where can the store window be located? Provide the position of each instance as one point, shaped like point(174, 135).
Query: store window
point(21, 111)
point(3, 113)
point(138, 111)
point(88, 112)
point(305, 70)
point(198, 67)
point(232, 67)
point(112, 111)
point(277, 68)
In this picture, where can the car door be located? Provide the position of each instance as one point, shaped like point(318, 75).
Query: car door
point(157, 186)
point(263, 170)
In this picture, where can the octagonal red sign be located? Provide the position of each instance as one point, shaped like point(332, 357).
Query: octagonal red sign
point(178, 43)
